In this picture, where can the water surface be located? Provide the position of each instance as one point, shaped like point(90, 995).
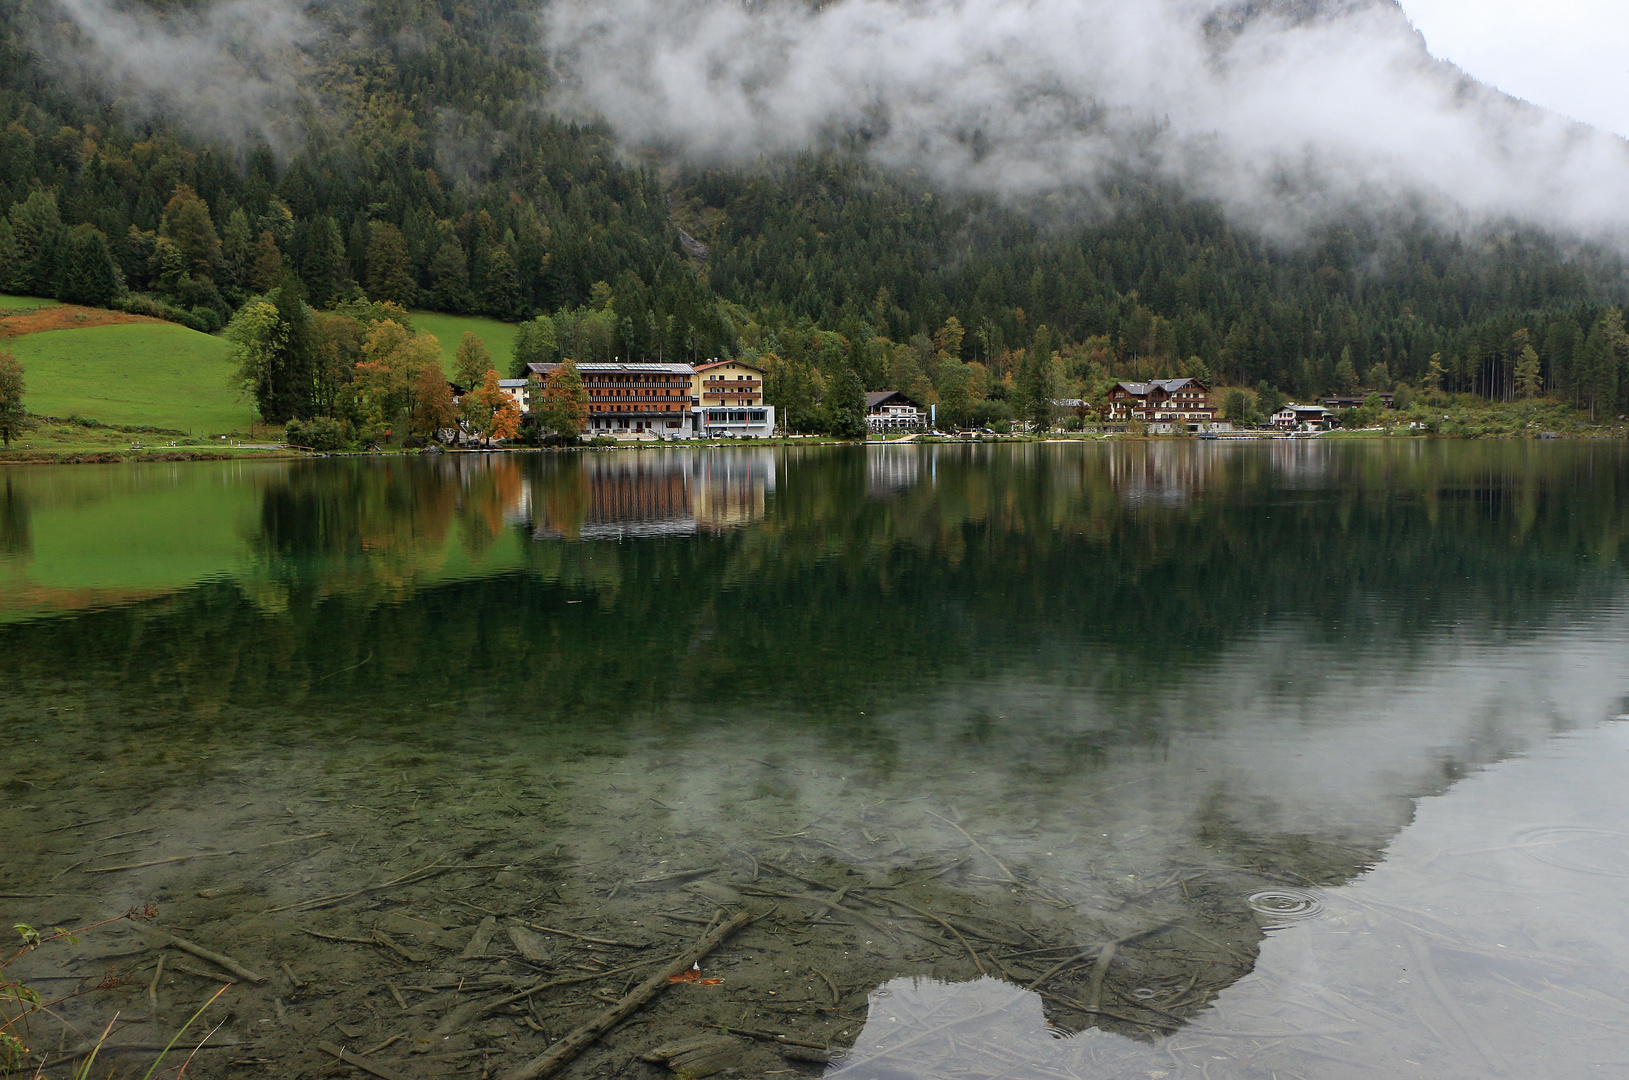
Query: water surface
point(1320, 737)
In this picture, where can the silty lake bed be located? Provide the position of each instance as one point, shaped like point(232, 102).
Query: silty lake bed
point(1153, 760)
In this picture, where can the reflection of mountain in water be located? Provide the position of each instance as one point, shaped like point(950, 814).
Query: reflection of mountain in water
point(1057, 696)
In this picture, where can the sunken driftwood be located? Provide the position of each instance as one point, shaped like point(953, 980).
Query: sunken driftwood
point(358, 1062)
point(696, 1058)
point(564, 1051)
point(161, 938)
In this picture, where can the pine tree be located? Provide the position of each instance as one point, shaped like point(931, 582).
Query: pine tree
point(35, 223)
point(449, 276)
point(500, 296)
point(844, 404)
point(10, 256)
point(268, 266)
point(1529, 382)
point(1346, 377)
point(1598, 369)
point(89, 275)
point(1038, 380)
point(390, 275)
point(287, 390)
point(187, 224)
point(322, 267)
point(237, 249)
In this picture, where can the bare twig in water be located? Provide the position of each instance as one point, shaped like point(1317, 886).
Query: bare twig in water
point(829, 905)
point(564, 1051)
point(957, 934)
point(1422, 960)
point(1097, 954)
point(202, 953)
point(343, 670)
point(1105, 957)
point(836, 998)
point(416, 876)
point(204, 855)
point(355, 1061)
point(1010, 875)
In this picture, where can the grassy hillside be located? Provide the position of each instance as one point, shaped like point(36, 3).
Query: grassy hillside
point(147, 373)
point(499, 337)
point(24, 303)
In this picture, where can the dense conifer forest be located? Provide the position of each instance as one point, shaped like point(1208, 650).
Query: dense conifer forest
point(428, 171)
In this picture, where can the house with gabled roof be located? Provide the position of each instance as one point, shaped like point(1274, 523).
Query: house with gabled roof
point(1170, 403)
point(890, 410)
point(727, 398)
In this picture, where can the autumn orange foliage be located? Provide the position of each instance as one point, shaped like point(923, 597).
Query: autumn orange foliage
point(693, 976)
point(64, 317)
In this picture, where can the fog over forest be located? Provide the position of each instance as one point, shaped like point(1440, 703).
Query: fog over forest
point(1286, 112)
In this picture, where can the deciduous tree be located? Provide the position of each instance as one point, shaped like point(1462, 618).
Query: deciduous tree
point(534, 344)
point(490, 412)
point(471, 362)
point(433, 407)
point(12, 416)
point(561, 404)
point(393, 361)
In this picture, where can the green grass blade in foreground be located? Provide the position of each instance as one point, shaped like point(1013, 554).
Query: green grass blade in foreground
point(148, 1075)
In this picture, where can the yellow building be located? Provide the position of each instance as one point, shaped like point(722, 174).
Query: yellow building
point(727, 398)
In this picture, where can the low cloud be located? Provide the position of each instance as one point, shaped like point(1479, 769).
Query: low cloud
point(1283, 110)
point(233, 70)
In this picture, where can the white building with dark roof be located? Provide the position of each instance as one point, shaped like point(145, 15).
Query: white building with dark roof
point(1165, 402)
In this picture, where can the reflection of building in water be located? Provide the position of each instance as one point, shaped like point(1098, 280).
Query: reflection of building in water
point(1164, 474)
point(731, 489)
point(654, 493)
point(890, 470)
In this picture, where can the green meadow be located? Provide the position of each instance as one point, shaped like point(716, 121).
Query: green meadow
point(25, 303)
point(499, 337)
point(153, 374)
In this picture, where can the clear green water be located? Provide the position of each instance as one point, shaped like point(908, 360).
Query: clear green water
point(1322, 736)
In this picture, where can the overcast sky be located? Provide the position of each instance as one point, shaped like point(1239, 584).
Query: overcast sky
point(1568, 55)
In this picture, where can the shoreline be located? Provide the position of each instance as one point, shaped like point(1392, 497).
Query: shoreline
point(122, 457)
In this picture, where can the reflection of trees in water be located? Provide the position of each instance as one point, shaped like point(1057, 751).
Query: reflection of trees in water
point(376, 530)
point(1028, 556)
point(991, 571)
point(14, 536)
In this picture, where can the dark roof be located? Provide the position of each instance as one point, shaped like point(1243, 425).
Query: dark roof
point(1141, 389)
point(674, 369)
point(873, 398)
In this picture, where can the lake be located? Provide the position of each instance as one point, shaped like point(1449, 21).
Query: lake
point(1164, 759)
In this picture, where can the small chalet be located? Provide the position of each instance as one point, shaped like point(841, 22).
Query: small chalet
point(890, 410)
point(1355, 401)
point(1162, 401)
point(1293, 417)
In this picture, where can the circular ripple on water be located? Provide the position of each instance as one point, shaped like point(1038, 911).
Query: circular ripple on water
point(1282, 907)
point(1602, 852)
